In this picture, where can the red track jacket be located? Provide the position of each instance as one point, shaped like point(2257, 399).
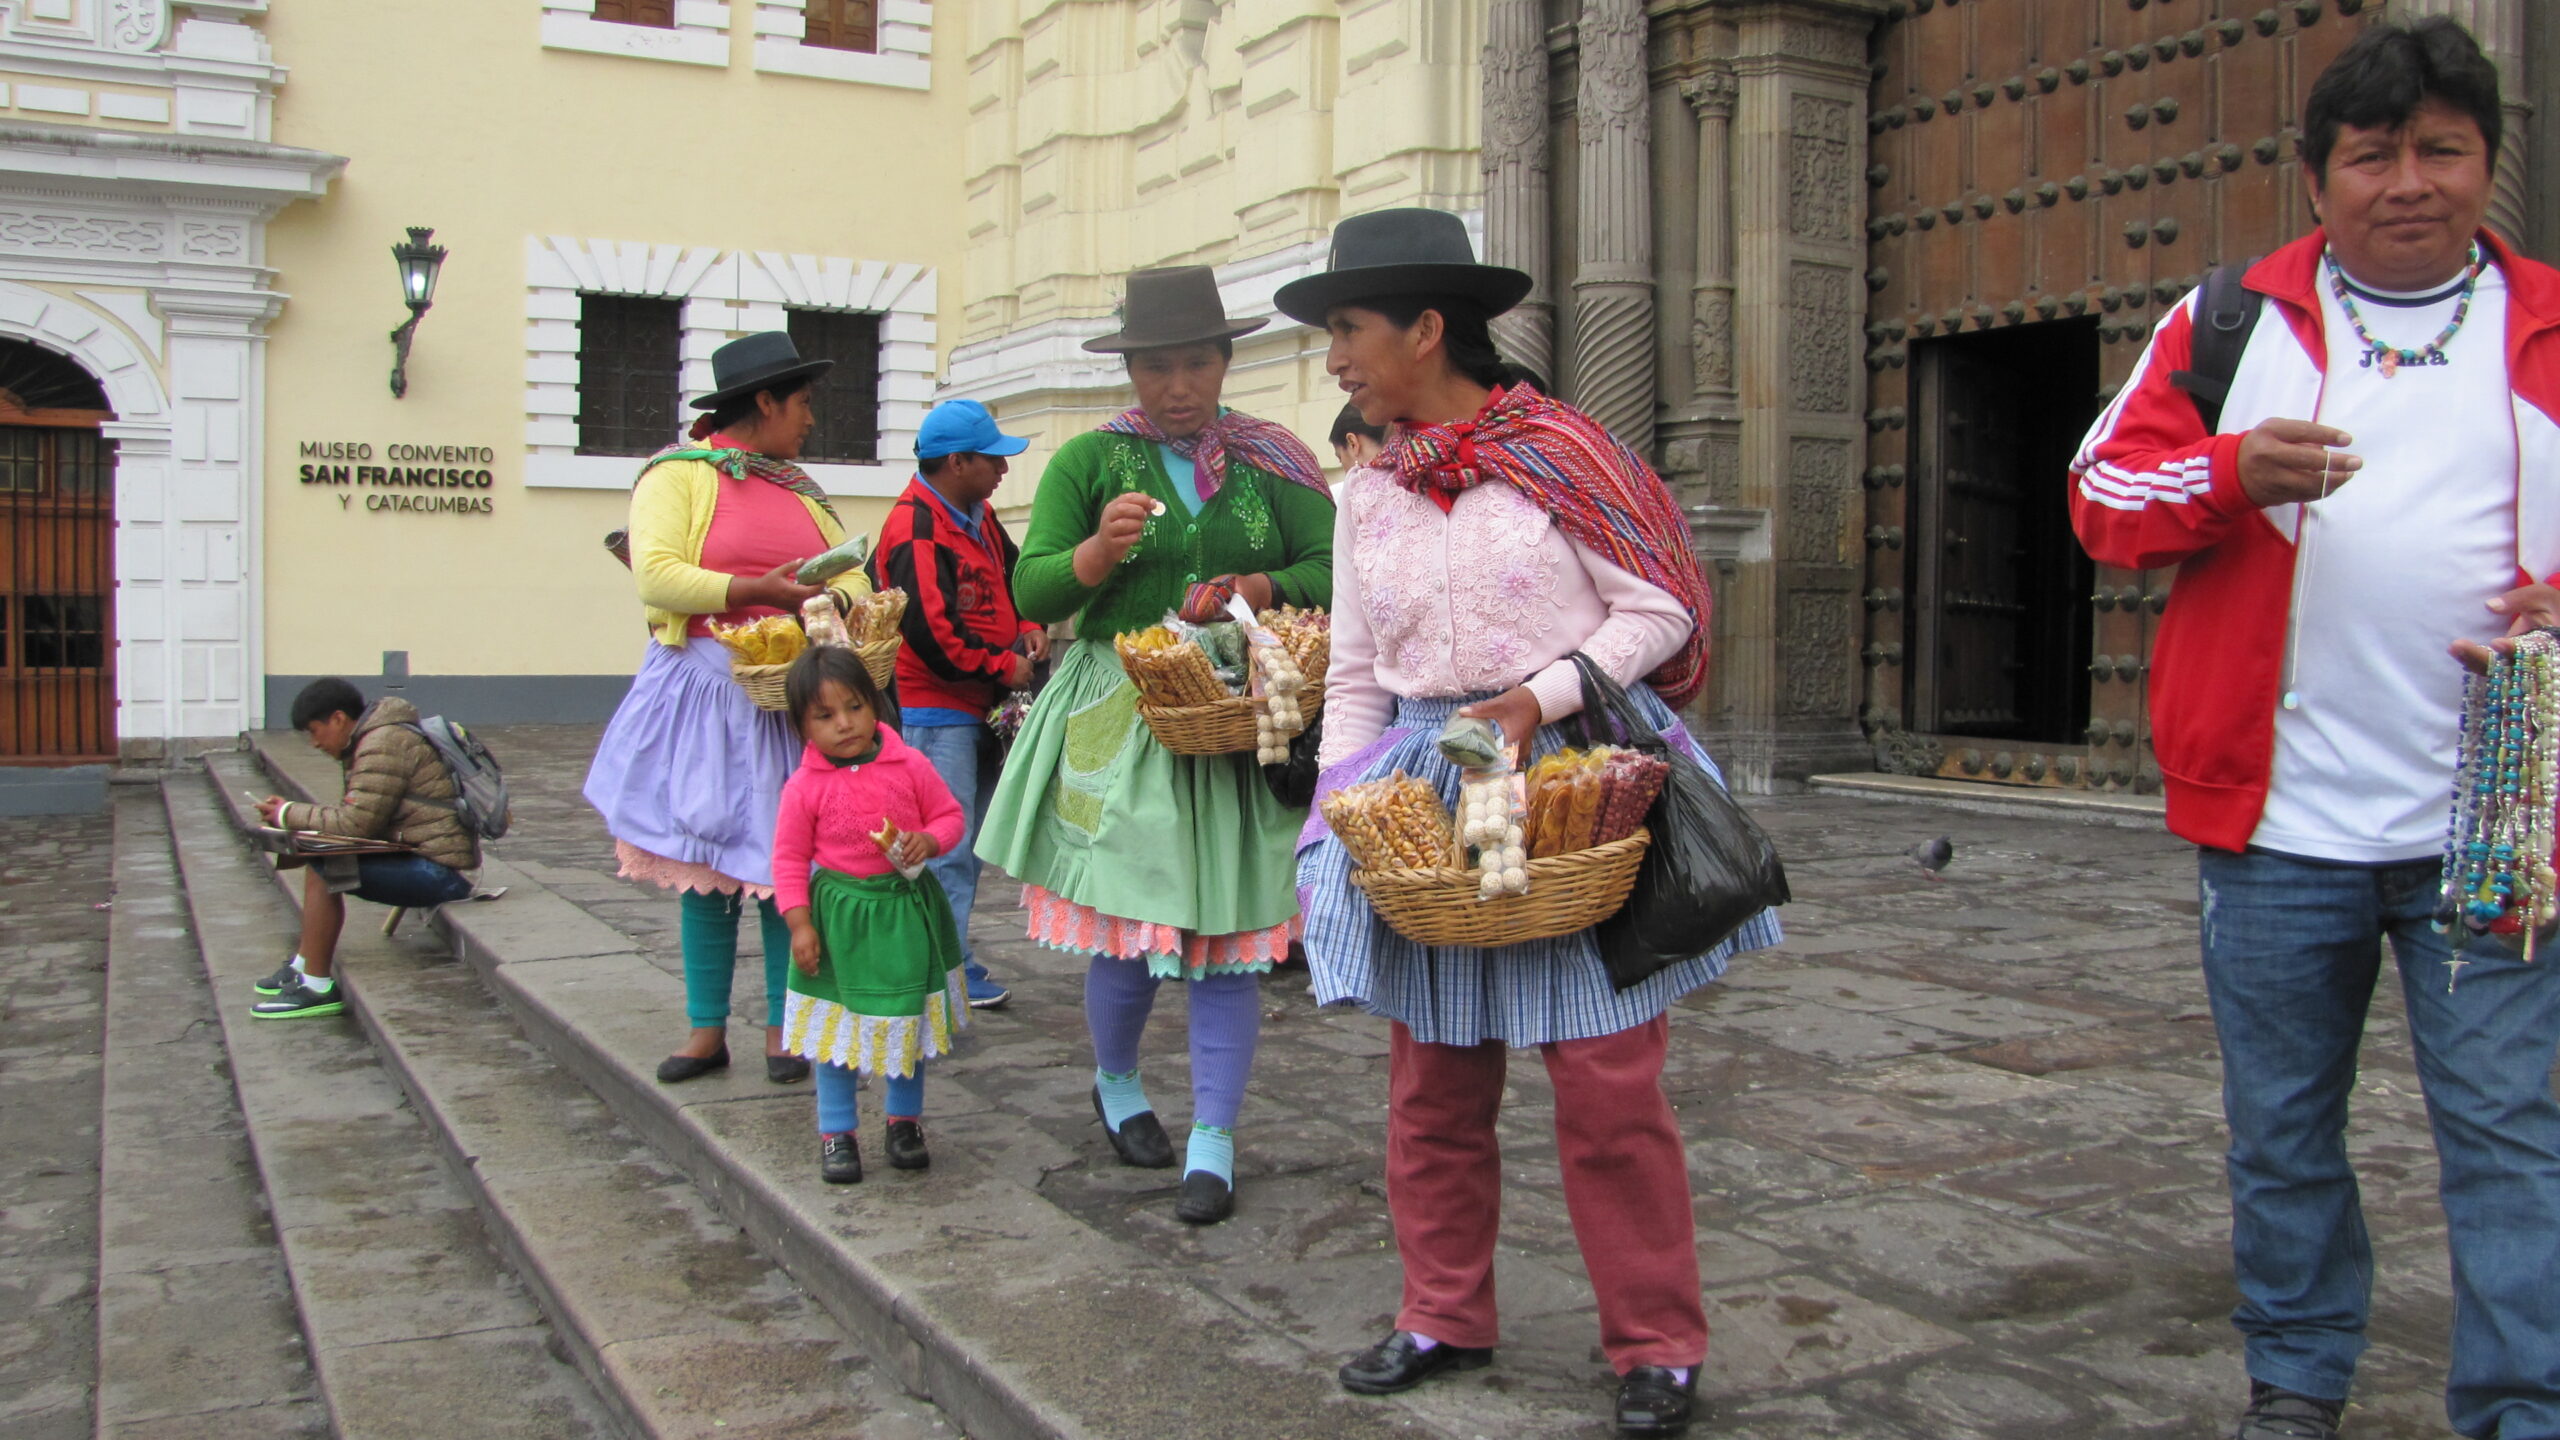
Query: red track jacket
point(960, 626)
point(2150, 488)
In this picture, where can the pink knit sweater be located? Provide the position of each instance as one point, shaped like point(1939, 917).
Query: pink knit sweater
point(830, 812)
point(1485, 597)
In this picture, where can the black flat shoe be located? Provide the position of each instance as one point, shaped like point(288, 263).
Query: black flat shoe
point(1651, 1402)
point(1206, 1199)
point(785, 1069)
point(1397, 1363)
point(1140, 1139)
point(676, 1069)
point(274, 984)
point(906, 1146)
point(839, 1159)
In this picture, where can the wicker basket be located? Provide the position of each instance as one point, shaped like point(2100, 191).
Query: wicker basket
point(1566, 893)
point(1223, 728)
point(763, 684)
point(880, 657)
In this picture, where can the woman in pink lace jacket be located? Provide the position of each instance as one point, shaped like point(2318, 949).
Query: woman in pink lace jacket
point(1500, 533)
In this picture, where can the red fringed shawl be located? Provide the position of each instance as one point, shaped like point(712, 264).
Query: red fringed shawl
point(1600, 493)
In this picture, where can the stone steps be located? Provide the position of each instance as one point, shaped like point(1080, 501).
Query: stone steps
point(197, 1335)
point(676, 1326)
point(1020, 1321)
point(405, 1309)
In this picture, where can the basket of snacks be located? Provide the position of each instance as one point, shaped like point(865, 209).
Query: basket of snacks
point(1228, 688)
point(873, 628)
point(1553, 851)
point(760, 654)
point(761, 651)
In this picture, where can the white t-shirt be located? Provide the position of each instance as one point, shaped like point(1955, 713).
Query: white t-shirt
point(2390, 570)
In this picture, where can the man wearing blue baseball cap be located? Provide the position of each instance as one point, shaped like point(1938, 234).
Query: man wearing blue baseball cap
point(966, 646)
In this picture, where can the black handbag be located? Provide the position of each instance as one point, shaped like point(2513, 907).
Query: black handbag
point(1710, 867)
point(1293, 781)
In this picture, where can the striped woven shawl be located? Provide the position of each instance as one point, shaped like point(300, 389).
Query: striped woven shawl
point(1600, 493)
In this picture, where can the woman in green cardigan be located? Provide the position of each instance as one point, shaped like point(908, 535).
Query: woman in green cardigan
point(1160, 866)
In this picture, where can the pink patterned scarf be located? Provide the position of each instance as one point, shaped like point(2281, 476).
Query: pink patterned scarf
point(1600, 492)
point(1263, 444)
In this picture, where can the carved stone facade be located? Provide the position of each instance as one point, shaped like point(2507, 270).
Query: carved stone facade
point(1516, 172)
point(1613, 360)
point(1715, 208)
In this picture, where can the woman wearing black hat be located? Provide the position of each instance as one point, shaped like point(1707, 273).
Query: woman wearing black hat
point(1499, 534)
point(1160, 866)
point(688, 776)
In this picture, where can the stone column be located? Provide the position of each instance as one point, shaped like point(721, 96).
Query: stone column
point(1515, 175)
point(1797, 145)
point(1711, 94)
point(2499, 27)
point(1613, 372)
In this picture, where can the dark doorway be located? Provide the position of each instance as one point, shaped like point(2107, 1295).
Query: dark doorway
point(2001, 612)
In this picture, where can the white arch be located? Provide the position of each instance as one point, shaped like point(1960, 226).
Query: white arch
point(96, 341)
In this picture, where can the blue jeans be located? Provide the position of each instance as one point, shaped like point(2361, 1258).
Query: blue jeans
point(2292, 951)
point(410, 882)
point(966, 758)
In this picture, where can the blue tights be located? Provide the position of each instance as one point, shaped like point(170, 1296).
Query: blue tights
point(1226, 1026)
point(837, 1114)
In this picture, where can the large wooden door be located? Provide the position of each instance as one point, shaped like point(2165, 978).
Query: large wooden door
point(57, 578)
point(2057, 172)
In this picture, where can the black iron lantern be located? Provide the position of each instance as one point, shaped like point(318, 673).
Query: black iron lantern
point(420, 263)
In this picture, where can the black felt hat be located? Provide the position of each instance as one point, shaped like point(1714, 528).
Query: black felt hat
point(1401, 252)
point(755, 362)
point(1175, 305)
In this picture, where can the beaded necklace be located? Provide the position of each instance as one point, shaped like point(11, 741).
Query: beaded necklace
point(2388, 358)
point(2501, 831)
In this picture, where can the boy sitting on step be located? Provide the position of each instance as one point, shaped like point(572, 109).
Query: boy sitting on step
point(397, 790)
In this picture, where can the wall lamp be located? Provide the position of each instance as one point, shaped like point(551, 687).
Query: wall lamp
point(420, 263)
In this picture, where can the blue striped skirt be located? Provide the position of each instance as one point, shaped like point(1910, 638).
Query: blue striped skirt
point(1527, 994)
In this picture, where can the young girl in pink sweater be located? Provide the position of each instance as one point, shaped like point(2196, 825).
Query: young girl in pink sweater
point(876, 983)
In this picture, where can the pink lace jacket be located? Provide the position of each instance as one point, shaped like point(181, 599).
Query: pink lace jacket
point(1479, 599)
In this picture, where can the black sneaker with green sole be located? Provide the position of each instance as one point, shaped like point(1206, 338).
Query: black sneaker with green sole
point(297, 1002)
point(274, 984)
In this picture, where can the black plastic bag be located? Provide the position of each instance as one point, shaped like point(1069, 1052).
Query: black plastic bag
point(1293, 781)
point(1710, 868)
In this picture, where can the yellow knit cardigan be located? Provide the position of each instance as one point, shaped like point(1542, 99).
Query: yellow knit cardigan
point(670, 518)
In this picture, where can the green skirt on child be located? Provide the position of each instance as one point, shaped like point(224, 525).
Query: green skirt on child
point(889, 992)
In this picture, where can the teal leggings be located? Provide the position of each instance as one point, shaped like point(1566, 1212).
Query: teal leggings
point(709, 929)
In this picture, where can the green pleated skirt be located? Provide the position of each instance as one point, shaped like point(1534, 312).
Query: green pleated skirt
point(1092, 809)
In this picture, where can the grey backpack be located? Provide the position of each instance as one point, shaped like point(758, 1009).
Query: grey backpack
point(479, 786)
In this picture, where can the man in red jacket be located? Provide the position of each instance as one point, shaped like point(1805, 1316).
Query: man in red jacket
point(966, 647)
point(2386, 479)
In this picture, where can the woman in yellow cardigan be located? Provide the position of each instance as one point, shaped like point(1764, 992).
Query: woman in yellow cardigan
point(689, 774)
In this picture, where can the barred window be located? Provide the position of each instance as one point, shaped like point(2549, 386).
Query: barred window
point(630, 370)
point(660, 14)
point(846, 398)
point(842, 24)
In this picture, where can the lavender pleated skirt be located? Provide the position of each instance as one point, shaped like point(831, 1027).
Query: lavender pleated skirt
point(689, 770)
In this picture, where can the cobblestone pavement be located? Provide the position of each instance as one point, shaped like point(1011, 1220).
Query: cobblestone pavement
point(53, 961)
point(1956, 1146)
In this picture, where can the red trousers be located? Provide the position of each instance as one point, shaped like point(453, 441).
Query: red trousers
point(1626, 1182)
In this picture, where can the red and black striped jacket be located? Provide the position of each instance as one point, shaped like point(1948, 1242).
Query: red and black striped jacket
point(961, 625)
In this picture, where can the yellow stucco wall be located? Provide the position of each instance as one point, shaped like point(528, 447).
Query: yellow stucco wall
point(454, 115)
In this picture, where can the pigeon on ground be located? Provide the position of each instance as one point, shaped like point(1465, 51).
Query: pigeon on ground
point(1932, 855)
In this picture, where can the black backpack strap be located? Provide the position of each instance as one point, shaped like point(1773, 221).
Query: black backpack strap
point(2226, 312)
